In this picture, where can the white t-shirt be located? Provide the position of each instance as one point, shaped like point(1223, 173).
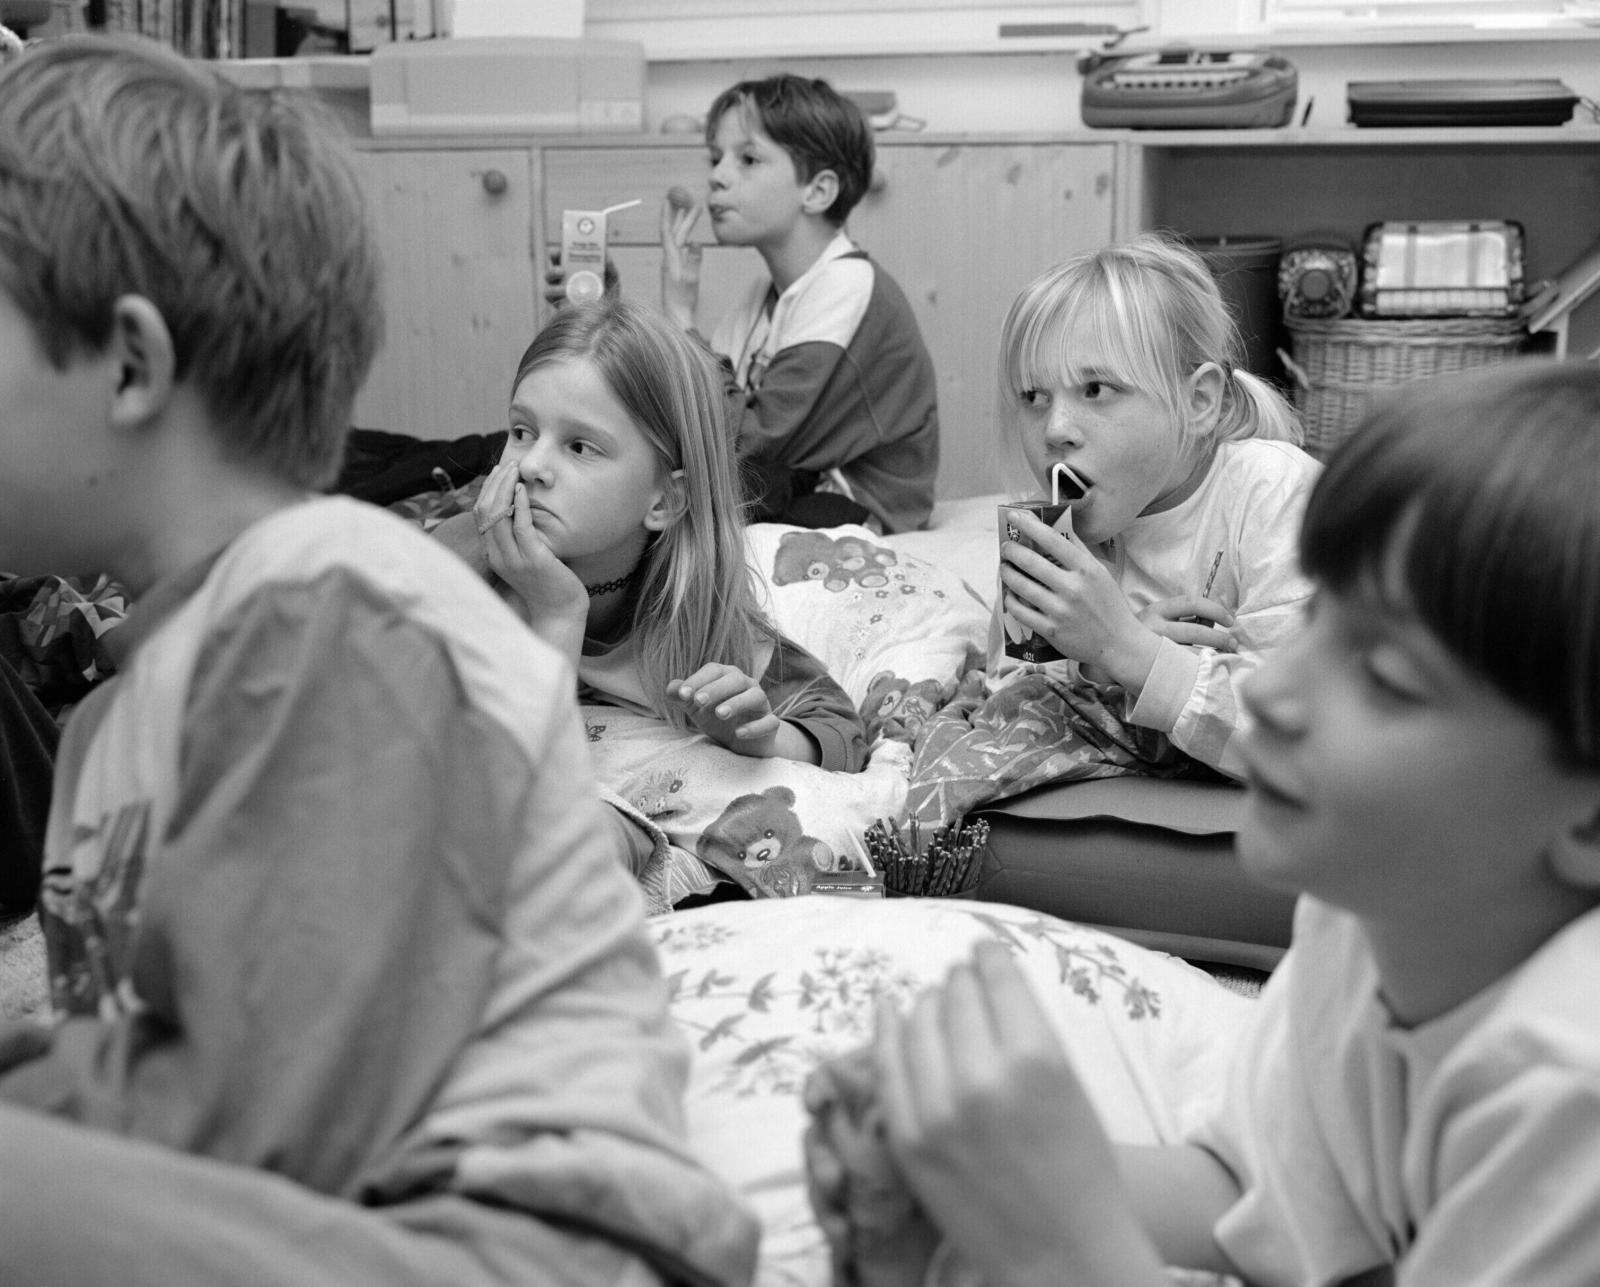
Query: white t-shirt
point(1244, 521)
point(1465, 1151)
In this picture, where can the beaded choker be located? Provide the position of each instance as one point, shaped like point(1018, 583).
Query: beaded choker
point(610, 587)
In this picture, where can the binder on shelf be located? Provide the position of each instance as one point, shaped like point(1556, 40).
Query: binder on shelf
point(1512, 101)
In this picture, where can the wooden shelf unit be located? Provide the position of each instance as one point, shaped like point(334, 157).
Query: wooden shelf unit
point(962, 221)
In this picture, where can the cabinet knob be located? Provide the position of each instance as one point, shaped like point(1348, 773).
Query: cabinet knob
point(495, 183)
point(878, 182)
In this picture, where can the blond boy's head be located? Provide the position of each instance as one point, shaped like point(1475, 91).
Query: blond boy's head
point(126, 170)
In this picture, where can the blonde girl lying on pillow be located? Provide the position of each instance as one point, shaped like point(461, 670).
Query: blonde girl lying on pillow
point(613, 524)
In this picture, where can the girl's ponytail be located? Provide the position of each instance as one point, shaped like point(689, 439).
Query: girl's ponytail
point(1252, 408)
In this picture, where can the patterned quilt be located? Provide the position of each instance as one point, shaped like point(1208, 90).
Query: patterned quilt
point(52, 633)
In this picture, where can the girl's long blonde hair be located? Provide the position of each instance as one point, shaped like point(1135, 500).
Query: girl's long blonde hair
point(697, 599)
point(1159, 313)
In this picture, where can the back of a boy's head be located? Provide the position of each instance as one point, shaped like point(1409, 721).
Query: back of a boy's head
point(1480, 491)
point(817, 126)
point(128, 170)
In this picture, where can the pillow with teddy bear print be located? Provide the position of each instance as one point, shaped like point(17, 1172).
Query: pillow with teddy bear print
point(894, 630)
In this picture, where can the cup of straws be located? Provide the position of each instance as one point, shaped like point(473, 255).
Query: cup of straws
point(942, 862)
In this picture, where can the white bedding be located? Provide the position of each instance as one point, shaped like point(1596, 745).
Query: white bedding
point(765, 990)
point(962, 538)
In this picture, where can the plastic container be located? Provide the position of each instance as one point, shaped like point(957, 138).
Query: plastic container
point(1246, 268)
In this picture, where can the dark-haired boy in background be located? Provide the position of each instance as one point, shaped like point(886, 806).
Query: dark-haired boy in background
point(839, 419)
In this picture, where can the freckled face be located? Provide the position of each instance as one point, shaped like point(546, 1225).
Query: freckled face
point(1120, 440)
point(755, 192)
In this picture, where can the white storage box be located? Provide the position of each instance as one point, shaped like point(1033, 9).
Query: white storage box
point(508, 85)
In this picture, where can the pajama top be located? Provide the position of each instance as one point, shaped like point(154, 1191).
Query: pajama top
point(1244, 521)
point(798, 688)
point(1462, 1151)
point(328, 894)
point(837, 382)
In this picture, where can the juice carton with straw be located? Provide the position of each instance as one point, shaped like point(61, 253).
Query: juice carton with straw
point(583, 250)
point(1056, 513)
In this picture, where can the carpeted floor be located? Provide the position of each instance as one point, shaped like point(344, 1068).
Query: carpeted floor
point(23, 992)
point(1236, 978)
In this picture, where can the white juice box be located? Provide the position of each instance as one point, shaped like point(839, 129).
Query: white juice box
point(583, 250)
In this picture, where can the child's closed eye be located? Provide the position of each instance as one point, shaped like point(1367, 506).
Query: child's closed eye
point(1391, 678)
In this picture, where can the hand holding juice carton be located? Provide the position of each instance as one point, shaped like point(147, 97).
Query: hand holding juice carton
point(1056, 513)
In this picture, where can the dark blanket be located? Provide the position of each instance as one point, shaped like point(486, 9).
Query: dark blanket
point(28, 738)
point(384, 467)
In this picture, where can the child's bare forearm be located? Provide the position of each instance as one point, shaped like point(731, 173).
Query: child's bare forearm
point(1179, 1192)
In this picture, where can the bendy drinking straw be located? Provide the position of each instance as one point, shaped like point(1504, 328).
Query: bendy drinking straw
point(1074, 485)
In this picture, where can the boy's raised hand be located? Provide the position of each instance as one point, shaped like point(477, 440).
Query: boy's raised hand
point(555, 279)
point(1061, 591)
point(680, 257)
point(730, 708)
point(552, 594)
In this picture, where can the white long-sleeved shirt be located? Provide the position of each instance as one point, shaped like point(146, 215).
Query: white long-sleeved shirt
point(1244, 518)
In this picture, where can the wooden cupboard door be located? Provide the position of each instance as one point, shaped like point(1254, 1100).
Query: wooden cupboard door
point(455, 231)
point(962, 228)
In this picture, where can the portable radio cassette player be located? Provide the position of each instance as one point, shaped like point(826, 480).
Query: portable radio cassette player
point(1182, 88)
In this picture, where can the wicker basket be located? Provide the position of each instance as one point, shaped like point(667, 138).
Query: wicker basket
point(1339, 363)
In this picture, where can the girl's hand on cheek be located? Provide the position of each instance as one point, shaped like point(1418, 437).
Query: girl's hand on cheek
point(730, 708)
point(1071, 599)
point(519, 555)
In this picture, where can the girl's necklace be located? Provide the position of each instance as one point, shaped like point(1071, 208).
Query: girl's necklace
point(610, 587)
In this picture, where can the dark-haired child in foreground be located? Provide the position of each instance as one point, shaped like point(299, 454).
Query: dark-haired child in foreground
point(839, 413)
point(1417, 1098)
point(351, 984)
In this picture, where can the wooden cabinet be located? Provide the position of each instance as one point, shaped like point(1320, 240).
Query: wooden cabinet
point(960, 224)
point(453, 227)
